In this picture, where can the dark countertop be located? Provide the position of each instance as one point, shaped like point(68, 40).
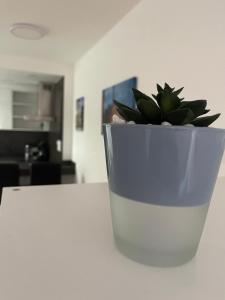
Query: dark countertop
point(11, 159)
point(22, 163)
point(68, 167)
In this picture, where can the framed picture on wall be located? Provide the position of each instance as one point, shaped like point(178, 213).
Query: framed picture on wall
point(121, 92)
point(80, 113)
point(108, 108)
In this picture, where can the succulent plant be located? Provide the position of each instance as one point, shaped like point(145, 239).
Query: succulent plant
point(166, 106)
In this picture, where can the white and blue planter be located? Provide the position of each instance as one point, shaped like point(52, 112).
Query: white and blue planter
point(161, 179)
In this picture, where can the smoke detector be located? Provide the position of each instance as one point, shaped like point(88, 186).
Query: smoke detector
point(27, 31)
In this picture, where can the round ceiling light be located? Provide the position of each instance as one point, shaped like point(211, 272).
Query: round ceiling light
point(27, 31)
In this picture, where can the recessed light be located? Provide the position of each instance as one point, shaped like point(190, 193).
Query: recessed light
point(28, 31)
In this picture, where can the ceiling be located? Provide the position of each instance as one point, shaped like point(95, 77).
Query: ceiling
point(73, 26)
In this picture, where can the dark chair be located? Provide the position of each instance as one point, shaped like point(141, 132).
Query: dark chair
point(45, 173)
point(9, 175)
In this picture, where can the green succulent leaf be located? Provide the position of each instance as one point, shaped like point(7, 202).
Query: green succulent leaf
point(121, 105)
point(122, 114)
point(168, 88)
point(159, 88)
point(197, 106)
point(150, 110)
point(139, 95)
point(205, 121)
point(167, 102)
point(177, 92)
point(166, 105)
point(166, 98)
point(180, 116)
point(156, 97)
point(130, 114)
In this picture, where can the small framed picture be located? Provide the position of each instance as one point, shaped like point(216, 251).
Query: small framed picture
point(80, 113)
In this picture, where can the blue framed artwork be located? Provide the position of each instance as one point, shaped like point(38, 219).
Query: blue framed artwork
point(80, 113)
point(121, 92)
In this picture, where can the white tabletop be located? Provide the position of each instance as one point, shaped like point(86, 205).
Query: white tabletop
point(56, 244)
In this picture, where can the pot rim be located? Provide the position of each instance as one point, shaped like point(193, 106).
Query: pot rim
point(150, 126)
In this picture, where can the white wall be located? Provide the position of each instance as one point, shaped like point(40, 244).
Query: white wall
point(181, 42)
point(5, 108)
point(54, 68)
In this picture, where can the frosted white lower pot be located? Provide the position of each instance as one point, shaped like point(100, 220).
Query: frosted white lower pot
point(161, 179)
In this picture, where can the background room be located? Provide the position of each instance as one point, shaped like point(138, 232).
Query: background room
point(153, 41)
point(91, 209)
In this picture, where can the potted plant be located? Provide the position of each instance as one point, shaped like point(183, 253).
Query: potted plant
point(161, 178)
